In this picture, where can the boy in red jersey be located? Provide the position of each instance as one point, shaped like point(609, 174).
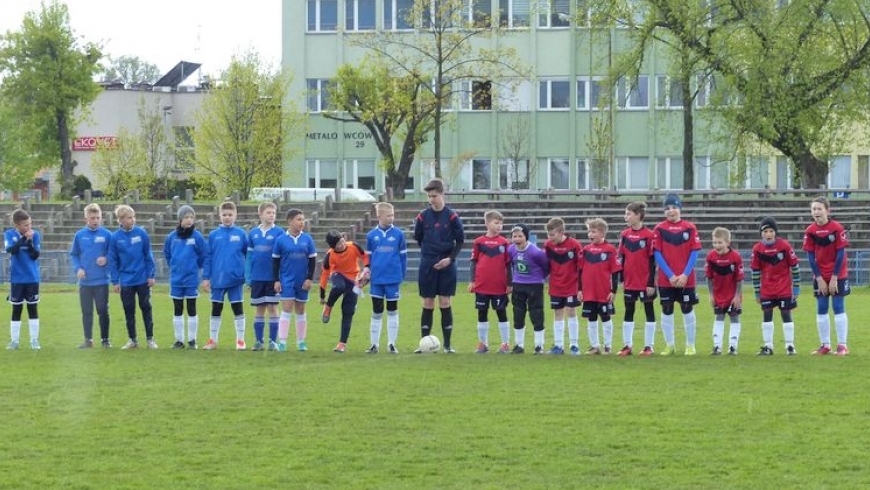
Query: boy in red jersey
point(490, 281)
point(564, 254)
point(825, 242)
point(676, 245)
point(599, 280)
point(724, 271)
point(638, 277)
point(776, 281)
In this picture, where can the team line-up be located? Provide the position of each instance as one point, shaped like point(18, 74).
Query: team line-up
point(652, 264)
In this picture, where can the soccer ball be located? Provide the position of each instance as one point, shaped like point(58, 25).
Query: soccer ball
point(429, 344)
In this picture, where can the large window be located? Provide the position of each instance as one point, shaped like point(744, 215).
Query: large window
point(513, 13)
point(318, 94)
point(710, 174)
point(669, 173)
point(863, 171)
point(322, 15)
point(359, 15)
point(633, 93)
point(513, 174)
point(840, 173)
point(554, 13)
point(783, 173)
point(757, 175)
point(515, 96)
point(359, 174)
point(480, 13)
point(397, 14)
point(322, 173)
point(598, 93)
point(669, 93)
point(633, 173)
point(476, 95)
point(554, 94)
point(582, 94)
point(481, 174)
point(558, 174)
point(583, 177)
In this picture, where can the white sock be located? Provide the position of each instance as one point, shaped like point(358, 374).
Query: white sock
point(15, 331)
point(824, 325)
point(788, 333)
point(668, 329)
point(215, 328)
point(33, 326)
point(592, 333)
point(483, 332)
point(178, 327)
point(504, 330)
point(520, 337)
point(608, 333)
point(539, 338)
point(192, 327)
point(392, 327)
point(375, 326)
point(691, 325)
point(240, 327)
point(841, 323)
point(573, 331)
point(718, 332)
point(767, 333)
point(649, 334)
point(559, 333)
point(627, 333)
point(734, 337)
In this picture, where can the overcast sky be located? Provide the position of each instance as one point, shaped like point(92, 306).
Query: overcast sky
point(164, 32)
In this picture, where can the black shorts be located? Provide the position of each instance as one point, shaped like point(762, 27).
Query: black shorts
point(594, 309)
point(263, 293)
point(432, 282)
point(24, 293)
point(683, 296)
point(635, 296)
point(484, 301)
point(843, 288)
point(559, 302)
point(727, 310)
point(784, 304)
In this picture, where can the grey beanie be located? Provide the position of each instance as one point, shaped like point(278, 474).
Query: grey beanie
point(184, 211)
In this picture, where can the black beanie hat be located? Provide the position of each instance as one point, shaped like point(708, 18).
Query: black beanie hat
point(768, 222)
point(523, 228)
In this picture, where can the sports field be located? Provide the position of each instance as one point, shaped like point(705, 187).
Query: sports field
point(226, 419)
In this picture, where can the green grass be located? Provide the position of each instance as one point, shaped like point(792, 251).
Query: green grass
point(226, 419)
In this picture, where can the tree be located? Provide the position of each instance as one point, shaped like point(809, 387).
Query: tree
point(47, 74)
point(514, 146)
point(130, 70)
point(790, 74)
point(17, 164)
point(244, 126)
point(447, 54)
point(388, 107)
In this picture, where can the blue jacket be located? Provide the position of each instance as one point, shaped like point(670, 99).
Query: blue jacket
point(131, 261)
point(224, 264)
point(24, 268)
point(185, 255)
point(87, 246)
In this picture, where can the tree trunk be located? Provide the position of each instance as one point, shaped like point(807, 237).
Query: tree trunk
point(688, 127)
point(814, 171)
point(67, 165)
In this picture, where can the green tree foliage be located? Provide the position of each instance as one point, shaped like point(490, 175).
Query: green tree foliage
point(244, 126)
point(18, 166)
point(130, 69)
point(47, 74)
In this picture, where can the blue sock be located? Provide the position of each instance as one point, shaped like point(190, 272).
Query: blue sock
point(273, 329)
point(258, 328)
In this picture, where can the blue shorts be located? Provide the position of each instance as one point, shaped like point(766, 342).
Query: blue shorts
point(24, 293)
point(432, 282)
point(178, 292)
point(387, 292)
point(234, 294)
point(263, 293)
point(289, 292)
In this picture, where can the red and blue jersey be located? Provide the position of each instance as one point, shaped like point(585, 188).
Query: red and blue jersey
point(725, 275)
point(774, 263)
point(492, 261)
point(635, 251)
point(825, 241)
point(599, 262)
point(676, 242)
point(566, 260)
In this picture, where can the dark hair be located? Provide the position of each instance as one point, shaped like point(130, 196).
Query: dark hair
point(435, 185)
point(638, 208)
point(292, 213)
point(20, 216)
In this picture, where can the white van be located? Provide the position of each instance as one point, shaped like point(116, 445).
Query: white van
point(309, 194)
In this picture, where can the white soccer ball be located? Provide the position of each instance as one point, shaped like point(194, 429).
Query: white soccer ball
point(429, 344)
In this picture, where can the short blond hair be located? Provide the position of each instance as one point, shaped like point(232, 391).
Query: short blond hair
point(556, 224)
point(123, 210)
point(597, 224)
point(383, 207)
point(723, 233)
point(266, 205)
point(492, 215)
point(93, 208)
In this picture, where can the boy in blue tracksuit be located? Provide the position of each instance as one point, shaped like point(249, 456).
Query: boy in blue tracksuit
point(388, 255)
point(23, 243)
point(223, 274)
point(184, 250)
point(132, 269)
point(89, 256)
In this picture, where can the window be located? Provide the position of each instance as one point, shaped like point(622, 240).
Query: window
point(637, 13)
point(840, 173)
point(558, 173)
point(513, 13)
point(359, 15)
point(633, 94)
point(582, 174)
point(757, 173)
point(359, 174)
point(185, 154)
point(480, 13)
point(554, 94)
point(397, 15)
point(598, 93)
point(669, 93)
point(711, 175)
point(322, 15)
point(322, 173)
point(476, 95)
point(554, 13)
point(863, 171)
point(633, 173)
point(481, 171)
point(513, 174)
point(318, 94)
point(669, 173)
point(582, 94)
point(783, 173)
point(514, 96)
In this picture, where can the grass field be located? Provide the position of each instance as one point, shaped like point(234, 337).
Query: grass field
point(226, 419)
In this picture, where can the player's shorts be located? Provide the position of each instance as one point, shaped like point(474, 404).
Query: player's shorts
point(387, 292)
point(559, 302)
point(593, 309)
point(263, 293)
point(23, 293)
point(843, 288)
point(179, 292)
point(686, 296)
point(432, 282)
point(233, 294)
point(727, 310)
point(635, 296)
point(784, 304)
point(289, 292)
point(484, 301)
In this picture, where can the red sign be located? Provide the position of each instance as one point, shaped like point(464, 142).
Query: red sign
point(90, 143)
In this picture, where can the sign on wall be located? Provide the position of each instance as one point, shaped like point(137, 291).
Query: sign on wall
point(90, 143)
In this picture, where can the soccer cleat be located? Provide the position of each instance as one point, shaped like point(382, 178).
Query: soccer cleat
point(790, 350)
point(647, 351)
point(449, 350)
point(12, 345)
point(327, 312)
point(240, 345)
point(625, 351)
point(732, 351)
point(518, 350)
point(575, 350)
point(669, 351)
point(151, 344)
point(504, 348)
point(717, 351)
point(607, 351)
point(106, 344)
point(482, 348)
point(373, 349)
point(191, 344)
point(87, 344)
point(418, 351)
point(539, 349)
point(282, 346)
point(258, 346)
point(392, 349)
point(765, 351)
point(34, 345)
point(593, 351)
point(823, 350)
point(301, 346)
point(210, 345)
point(177, 345)
point(690, 351)
point(130, 345)
point(842, 350)
point(340, 348)
point(556, 351)
point(273, 346)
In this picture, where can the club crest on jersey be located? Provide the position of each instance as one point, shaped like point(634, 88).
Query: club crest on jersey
point(780, 256)
point(501, 249)
point(685, 235)
point(831, 237)
point(642, 243)
point(571, 254)
point(603, 256)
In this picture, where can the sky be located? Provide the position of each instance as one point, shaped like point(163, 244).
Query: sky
point(164, 32)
